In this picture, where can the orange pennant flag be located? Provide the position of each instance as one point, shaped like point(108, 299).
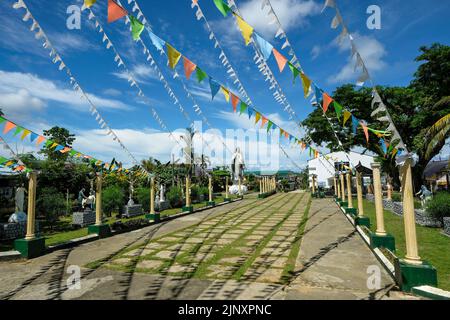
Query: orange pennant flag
point(326, 101)
point(40, 139)
point(8, 127)
point(281, 60)
point(286, 135)
point(234, 101)
point(115, 12)
point(189, 67)
point(264, 121)
point(366, 131)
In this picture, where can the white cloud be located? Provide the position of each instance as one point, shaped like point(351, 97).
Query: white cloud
point(372, 52)
point(290, 12)
point(315, 52)
point(141, 72)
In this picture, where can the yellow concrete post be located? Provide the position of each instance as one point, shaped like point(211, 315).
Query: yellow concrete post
point(412, 252)
point(31, 206)
point(342, 187)
point(188, 192)
point(338, 188)
point(313, 184)
point(226, 188)
point(389, 191)
point(378, 199)
point(359, 194)
point(152, 195)
point(260, 186)
point(210, 188)
point(349, 190)
point(335, 187)
point(98, 200)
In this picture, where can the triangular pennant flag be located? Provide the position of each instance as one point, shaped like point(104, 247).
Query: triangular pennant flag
point(257, 117)
point(250, 113)
point(18, 130)
point(215, 87)
point(115, 12)
point(59, 148)
point(201, 75)
point(264, 121)
point(54, 145)
point(246, 29)
point(347, 115)
point(223, 8)
point(265, 46)
point(2, 120)
point(366, 130)
point(295, 71)
point(25, 134)
point(136, 27)
point(318, 94)
point(156, 41)
point(286, 134)
point(173, 55)
point(89, 3)
point(243, 107)
point(226, 93)
point(8, 127)
point(234, 101)
point(40, 139)
point(33, 137)
point(326, 102)
point(281, 132)
point(338, 108)
point(189, 67)
point(269, 125)
point(355, 123)
point(281, 60)
point(306, 85)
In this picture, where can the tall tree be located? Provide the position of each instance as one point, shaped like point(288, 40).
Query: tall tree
point(61, 136)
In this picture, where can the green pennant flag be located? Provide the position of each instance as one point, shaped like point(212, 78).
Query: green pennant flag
point(223, 7)
point(49, 143)
point(338, 108)
point(136, 27)
point(2, 119)
point(244, 107)
point(72, 153)
point(269, 125)
point(295, 71)
point(3, 160)
point(201, 75)
point(18, 130)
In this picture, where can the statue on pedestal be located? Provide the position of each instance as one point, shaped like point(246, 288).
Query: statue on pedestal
point(130, 201)
point(161, 193)
point(237, 170)
point(20, 198)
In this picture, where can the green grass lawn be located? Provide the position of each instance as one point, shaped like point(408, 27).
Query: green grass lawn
point(434, 247)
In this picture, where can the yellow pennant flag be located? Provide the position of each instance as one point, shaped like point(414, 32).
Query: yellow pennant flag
point(173, 55)
point(246, 29)
point(347, 115)
point(306, 84)
point(257, 117)
point(89, 3)
point(226, 93)
point(25, 134)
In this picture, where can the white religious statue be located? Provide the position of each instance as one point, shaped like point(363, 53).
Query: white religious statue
point(237, 170)
point(130, 201)
point(20, 198)
point(161, 193)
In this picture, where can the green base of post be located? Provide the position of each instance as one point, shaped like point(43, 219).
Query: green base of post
point(343, 203)
point(30, 248)
point(211, 204)
point(414, 275)
point(227, 200)
point(351, 211)
point(362, 221)
point(387, 241)
point(153, 217)
point(189, 209)
point(101, 230)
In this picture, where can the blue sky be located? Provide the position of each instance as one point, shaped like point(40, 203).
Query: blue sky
point(35, 94)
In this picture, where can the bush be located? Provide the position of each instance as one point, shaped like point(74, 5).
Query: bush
point(204, 191)
point(143, 198)
point(195, 192)
point(175, 197)
point(50, 204)
point(112, 198)
point(396, 197)
point(439, 206)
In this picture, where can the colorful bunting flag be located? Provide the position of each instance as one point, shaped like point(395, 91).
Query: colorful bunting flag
point(326, 102)
point(338, 108)
point(234, 101)
point(18, 130)
point(246, 29)
point(306, 85)
point(250, 113)
point(156, 41)
point(189, 67)
point(215, 87)
point(244, 107)
point(226, 93)
point(173, 55)
point(40, 139)
point(257, 117)
point(201, 75)
point(269, 125)
point(265, 46)
point(264, 121)
point(355, 123)
point(347, 115)
point(136, 28)
point(115, 12)
point(222, 7)
point(366, 131)
point(89, 3)
point(281, 60)
point(295, 71)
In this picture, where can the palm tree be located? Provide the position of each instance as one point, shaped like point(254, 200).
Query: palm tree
point(439, 132)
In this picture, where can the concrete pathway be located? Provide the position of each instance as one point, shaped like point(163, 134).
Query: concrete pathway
point(253, 249)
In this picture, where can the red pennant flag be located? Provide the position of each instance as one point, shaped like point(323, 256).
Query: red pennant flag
point(281, 60)
point(234, 101)
point(286, 135)
point(189, 67)
point(8, 127)
point(115, 12)
point(326, 101)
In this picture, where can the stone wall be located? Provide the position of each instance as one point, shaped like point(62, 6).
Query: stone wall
point(447, 226)
point(11, 231)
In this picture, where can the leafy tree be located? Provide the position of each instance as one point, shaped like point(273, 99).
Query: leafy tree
point(50, 204)
point(60, 136)
point(112, 198)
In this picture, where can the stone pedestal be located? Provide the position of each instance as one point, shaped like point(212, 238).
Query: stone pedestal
point(164, 205)
point(227, 200)
point(412, 275)
point(30, 248)
point(362, 221)
point(101, 230)
point(382, 241)
point(189, 209)
point(132, 210)
point(153, 217)
point(84, 218)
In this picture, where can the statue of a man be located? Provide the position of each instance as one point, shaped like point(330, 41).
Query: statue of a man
point(20, 198)
point(237, 165)
point(81, 197)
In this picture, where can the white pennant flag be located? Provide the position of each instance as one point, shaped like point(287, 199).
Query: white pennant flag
point(329, 3)
point(19, 4)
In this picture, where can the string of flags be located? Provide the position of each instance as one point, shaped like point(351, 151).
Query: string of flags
point(57, 60)
point(40, 141)
point(318, 96)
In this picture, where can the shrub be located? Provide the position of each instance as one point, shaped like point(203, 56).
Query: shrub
point(396, 197)
point(50, 204)
point(195, 192)
point(143, 198)
point(175, 197)
point(112, 198)
point(439, 206)
point(204, 191)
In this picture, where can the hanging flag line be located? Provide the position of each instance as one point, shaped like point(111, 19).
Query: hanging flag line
point(113, 14)
point(223, 58)
point(196, 106)
point(38, 140)
point(15, 164)
point(309, 86)
point(376, 101)
point(57, 59)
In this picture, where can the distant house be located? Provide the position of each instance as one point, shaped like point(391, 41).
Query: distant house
point(323, 167)
point(437, 175)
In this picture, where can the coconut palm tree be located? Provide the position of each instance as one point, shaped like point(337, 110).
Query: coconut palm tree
point(439, 132)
